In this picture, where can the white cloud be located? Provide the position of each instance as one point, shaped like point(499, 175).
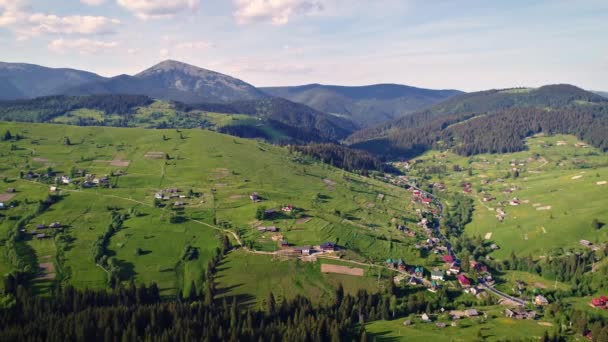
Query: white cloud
point(16, 17)
point(153, 9)
point(133, 51)
point(164, 53)
point(93, 2)
point(38, 23)
point(82, 46)
point(198, 45)
point(276, 11)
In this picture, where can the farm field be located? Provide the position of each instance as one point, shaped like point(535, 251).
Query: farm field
point(559, 190)
point(215, 173)
point(495, 329)
point(252, 277)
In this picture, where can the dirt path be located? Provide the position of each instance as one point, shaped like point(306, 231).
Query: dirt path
point(545, 162)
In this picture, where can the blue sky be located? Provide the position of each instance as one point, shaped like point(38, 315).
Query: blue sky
point(468, 45)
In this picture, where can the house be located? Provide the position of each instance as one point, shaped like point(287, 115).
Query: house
point(425, 318)
point(586, 243)
point(254, 197)
point(401, 264)
point(55, 225)
point(287, 209)
point(427, 200)
point(471, 313)
point(514, 202)
point(158, 195)
point(454, 269)
point(494, 247)
point(283, 243)
point(407, 323)
point(306, 250)
point(390, 263)
point(328, 246)
point(463, 280)
point(448, 259)
point(540, 300)
point(11, 190)
point(40, 226)
point(65, 180)
point(600, 302)
point(419, 271)
point(178, 204)
point(272, 229)
point(53, 189)
point(437, 275)
point(41, 236)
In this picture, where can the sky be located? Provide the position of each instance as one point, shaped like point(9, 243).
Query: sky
point(467, 44)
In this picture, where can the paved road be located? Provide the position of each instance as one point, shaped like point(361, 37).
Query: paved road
point(503, 295)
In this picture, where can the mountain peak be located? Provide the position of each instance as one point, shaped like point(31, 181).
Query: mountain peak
point(173, 65)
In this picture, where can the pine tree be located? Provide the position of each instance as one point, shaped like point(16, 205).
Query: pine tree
point(270, 304)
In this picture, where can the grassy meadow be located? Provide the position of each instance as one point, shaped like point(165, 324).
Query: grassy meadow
point(561, 188)
point(222, 171)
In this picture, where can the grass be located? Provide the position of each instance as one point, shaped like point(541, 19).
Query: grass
point(468, 329)
point(555, 173)
point(224, 170)
point(252, 277)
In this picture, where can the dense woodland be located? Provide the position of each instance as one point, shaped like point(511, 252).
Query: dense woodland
point(311, 124)
point(342, 157)
point(500, 132)
point(44, 109)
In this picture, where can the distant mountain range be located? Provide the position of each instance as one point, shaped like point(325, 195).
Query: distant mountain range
point(177, 81)
point(364, 105)
point(20, 80)
point(491, 121)
point(602, 93)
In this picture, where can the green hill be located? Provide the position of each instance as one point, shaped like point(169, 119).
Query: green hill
point(273, 119)
point(154, 240)
point(491, 121)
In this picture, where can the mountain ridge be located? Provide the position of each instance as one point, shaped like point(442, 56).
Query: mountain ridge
point(366, 105)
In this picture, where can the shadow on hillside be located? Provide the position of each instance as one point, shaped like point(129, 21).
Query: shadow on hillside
point(381, 336)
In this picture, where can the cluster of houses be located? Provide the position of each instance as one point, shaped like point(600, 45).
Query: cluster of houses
point(600, 302)
point(171, 194)
point(396, 264)
point(420, 197)
point(520, 313)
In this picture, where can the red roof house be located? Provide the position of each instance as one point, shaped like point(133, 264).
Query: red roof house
point(600, 301)
point(463, 280)
point(448, 259)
